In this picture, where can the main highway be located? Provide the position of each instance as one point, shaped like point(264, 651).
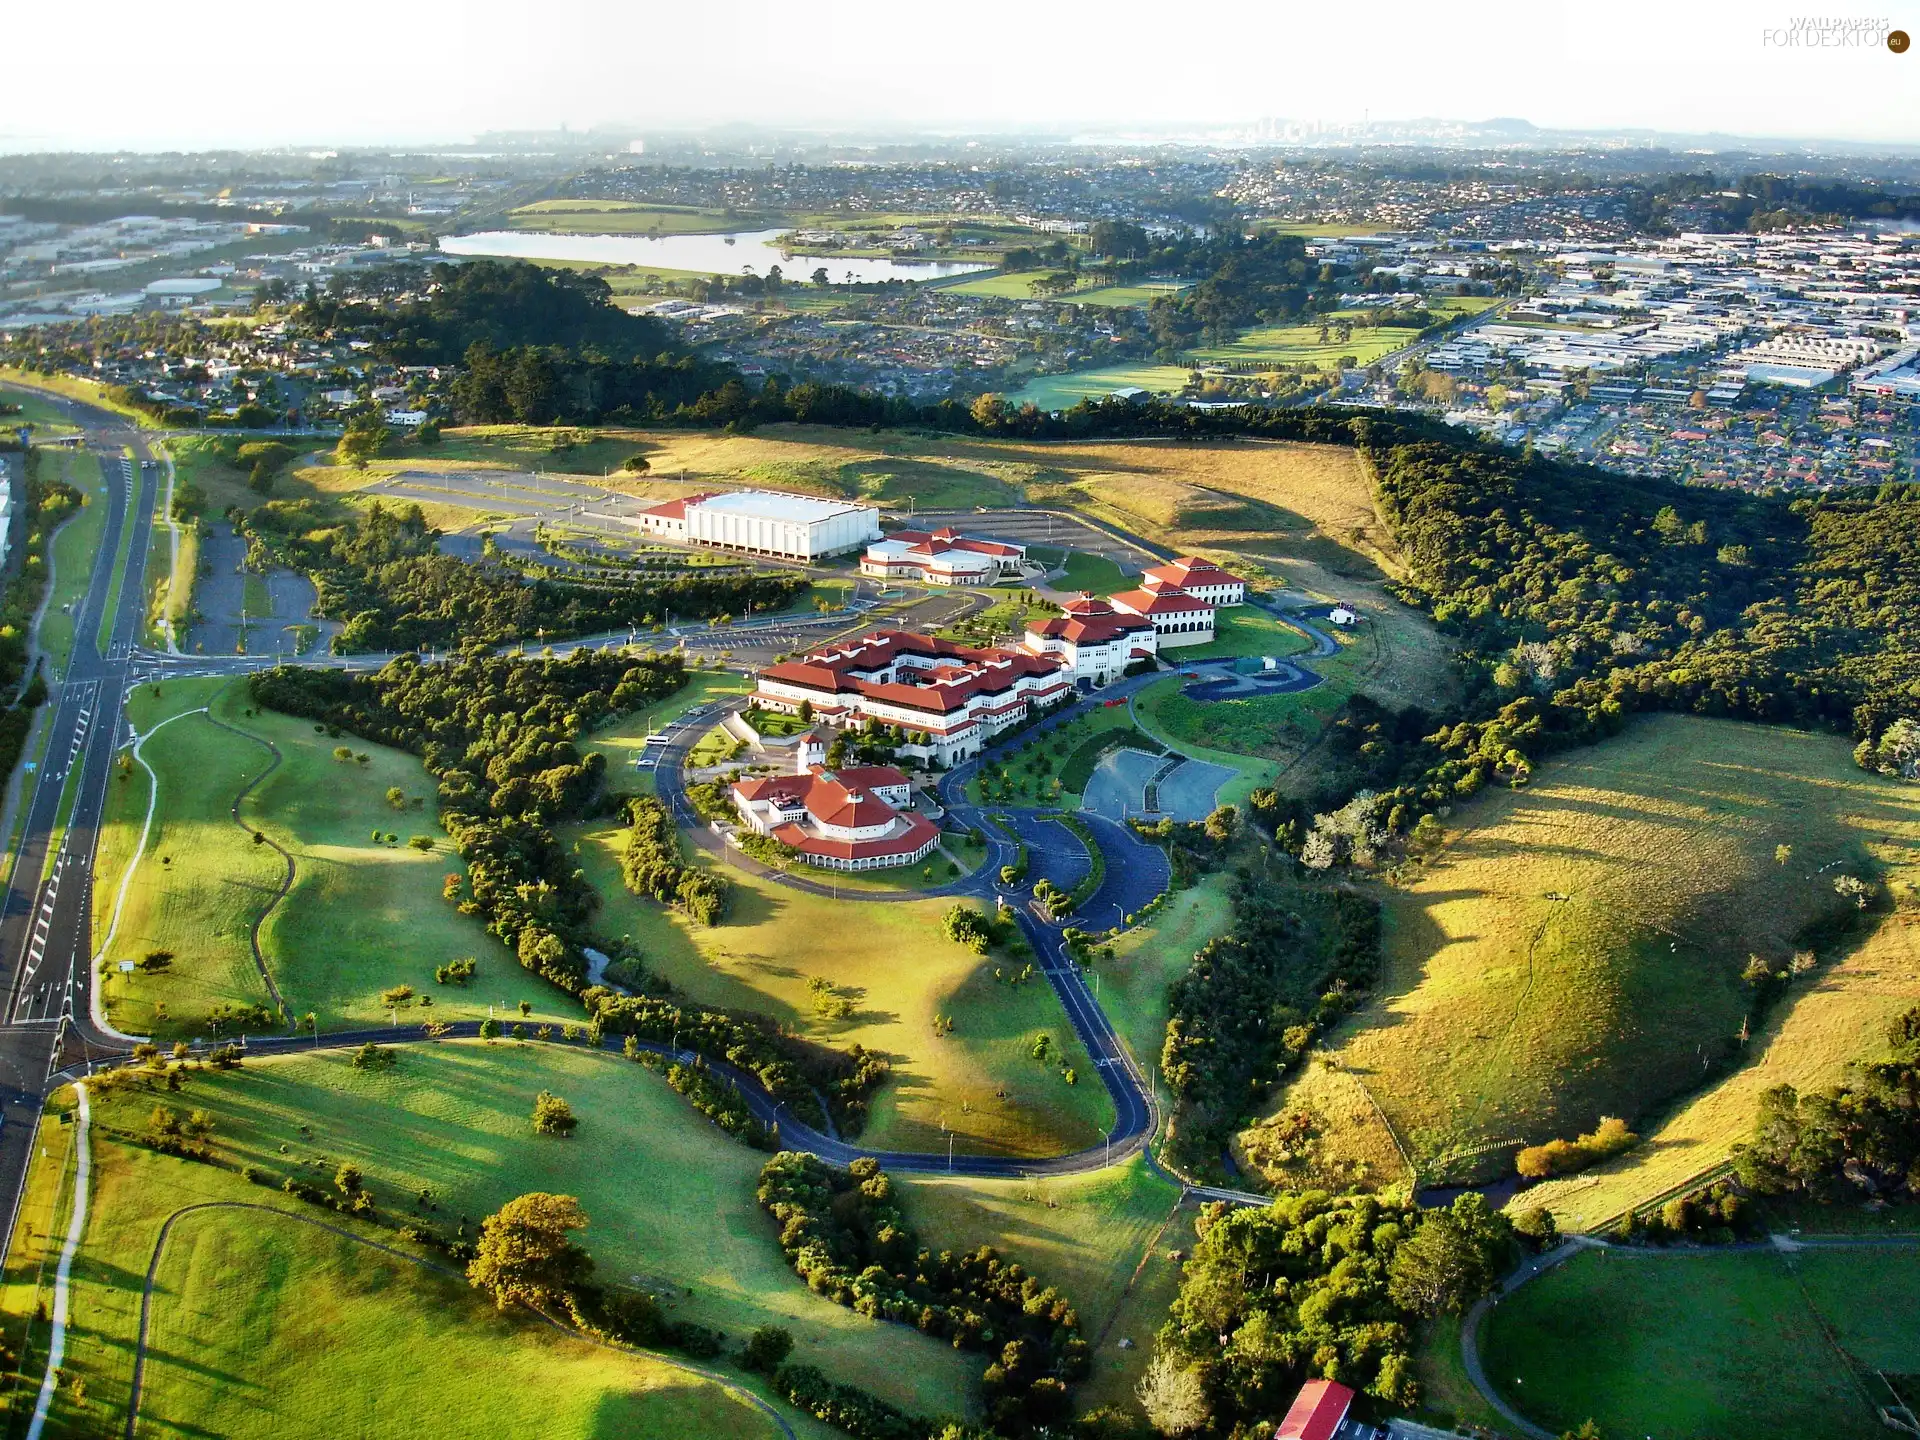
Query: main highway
point(46, 927)
point(50, 1030)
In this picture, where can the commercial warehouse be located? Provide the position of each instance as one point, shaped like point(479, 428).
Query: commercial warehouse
point(766, 522)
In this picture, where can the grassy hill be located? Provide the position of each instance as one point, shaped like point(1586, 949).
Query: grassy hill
point(1715, 1346)
point(980, 1082)
point(1577, 948)
point(361, 915)
point(671, 1202)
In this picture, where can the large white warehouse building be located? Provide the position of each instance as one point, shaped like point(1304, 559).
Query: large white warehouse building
point(767, 522)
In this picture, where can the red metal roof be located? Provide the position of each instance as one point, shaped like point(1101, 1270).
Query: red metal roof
point(1160, 602)
point(1316, 1413)
point(1191, 570)
point(677, 509)
point(918, 834)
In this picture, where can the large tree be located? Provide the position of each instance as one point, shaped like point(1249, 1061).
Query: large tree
point(526, 1256)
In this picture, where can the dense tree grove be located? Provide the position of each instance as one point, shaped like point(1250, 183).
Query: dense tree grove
point(651, 865)
point(843, 1233)
point(1857, 1140)
point(496, 303)
point(1319, 1285)
point(497, 734)
point(384, 578)
point(1254, 998)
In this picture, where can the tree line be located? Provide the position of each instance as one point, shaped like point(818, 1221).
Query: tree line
point(383, 576)
point(844, 1234)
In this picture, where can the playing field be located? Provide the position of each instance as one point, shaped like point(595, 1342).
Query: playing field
point(1137, 296)
point(1576, 949)
point(1063, 392)
point(1271, 346)
point(980, 1082)
point(669, 1197)
point(1003, 285)
point(1715, 1347)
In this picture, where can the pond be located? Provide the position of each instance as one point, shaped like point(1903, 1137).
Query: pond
point(745, 250)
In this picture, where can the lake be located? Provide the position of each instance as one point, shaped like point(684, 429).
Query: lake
point(751, 250)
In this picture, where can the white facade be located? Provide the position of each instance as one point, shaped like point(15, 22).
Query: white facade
point(793, 527)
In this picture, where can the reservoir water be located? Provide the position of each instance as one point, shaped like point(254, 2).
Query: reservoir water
point(750, 250)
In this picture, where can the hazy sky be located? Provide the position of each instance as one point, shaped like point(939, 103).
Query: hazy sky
point(193, 73)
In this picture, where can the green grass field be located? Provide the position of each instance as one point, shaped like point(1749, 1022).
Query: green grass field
point(621, 217)
point(1103, 1239)
point(1150, 957)
point(1136, 296)
point(1001, 285)
point(1716, 1347)
point(1093, 572)
point(1274, 345)
point(361, 916)
point(73, 549)
point(1245, 630)
point(890, 959)
point(669, 1197)
point(1576, 948)
point(246, 1341)
point(1063, 392)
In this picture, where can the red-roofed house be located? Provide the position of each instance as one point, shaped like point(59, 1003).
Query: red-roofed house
point(1200, 577)
point(839, 819)
point(1317, 1412)
point(669, 521)
point(947, 700)
point(941, 557)
point(1093, 640)
point(1178, 617)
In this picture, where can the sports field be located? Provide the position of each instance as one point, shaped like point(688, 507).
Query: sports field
point(669, 1197)
point(889, 958)
point(1716, 1347)
point(1577, 947)
point(1003, 285)
point(1271, 346)
point(1063, 392)
point(1138, 296)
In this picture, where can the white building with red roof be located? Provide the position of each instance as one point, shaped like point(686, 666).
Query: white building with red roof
point(1200, 578)
point(1093, 640)
point(669, 520)
point(941, 557)
point(948, 700)
point(853, 818)
point(1177, 617)
point(764, 522)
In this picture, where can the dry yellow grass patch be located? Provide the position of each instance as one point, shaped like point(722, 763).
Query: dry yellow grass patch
point(1576, 950)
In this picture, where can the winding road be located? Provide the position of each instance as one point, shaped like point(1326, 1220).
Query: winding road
point(49, 1035)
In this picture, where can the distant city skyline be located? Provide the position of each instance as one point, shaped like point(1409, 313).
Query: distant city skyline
point(193, 75)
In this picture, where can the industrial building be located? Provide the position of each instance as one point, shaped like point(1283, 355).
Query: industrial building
point(766, 522)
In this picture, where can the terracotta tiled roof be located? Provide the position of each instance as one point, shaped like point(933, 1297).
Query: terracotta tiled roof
point(1160, 602)
point(915, 834)
point(1189, 571)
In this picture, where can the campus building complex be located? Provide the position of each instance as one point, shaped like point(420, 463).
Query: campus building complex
point(941, 557)
point(1093, 641)
point(1201, 579)
point(1177, 617)
point(948, 700)
point(848, 819)
point(765, 522)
